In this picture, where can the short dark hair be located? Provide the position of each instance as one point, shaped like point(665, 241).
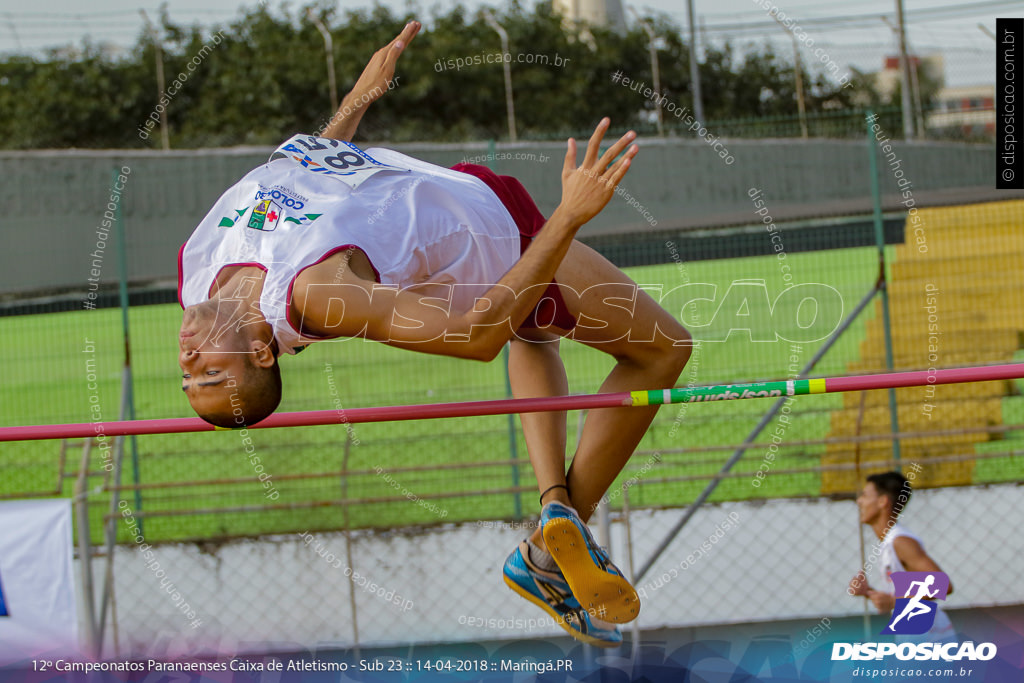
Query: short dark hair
point(895, 486)
point(258, 395)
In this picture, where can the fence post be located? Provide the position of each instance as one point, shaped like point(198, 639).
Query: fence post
point(513, 446)
point(883, 281)
point(81, 504)
point(348, 540)
point(128, 389)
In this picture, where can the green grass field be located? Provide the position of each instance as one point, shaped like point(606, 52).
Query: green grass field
point(47, 382)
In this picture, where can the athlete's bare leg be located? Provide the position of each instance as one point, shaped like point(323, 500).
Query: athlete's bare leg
point(535, 369)
point(650, 347)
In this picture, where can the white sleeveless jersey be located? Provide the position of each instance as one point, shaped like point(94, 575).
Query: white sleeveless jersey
point(889, 562)
point(416, 222)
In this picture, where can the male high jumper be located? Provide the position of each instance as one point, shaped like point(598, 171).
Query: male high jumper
point(327, 240)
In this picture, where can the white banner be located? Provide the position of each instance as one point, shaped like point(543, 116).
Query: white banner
point(39, 613)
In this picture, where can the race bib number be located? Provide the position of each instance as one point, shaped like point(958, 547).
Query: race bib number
point(333, 158)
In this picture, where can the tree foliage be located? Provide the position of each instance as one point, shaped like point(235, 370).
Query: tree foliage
point(263, 76)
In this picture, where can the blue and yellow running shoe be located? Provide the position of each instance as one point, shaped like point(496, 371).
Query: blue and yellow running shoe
point(550, 592)
point(596, 583)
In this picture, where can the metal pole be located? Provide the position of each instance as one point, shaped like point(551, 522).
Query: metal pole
point(513, 441)
point(635, 630)
point(507, 67)
point(123, 413)
point(85, 550)
point(915, 86)
point(127, 380)
point(513, 446)
point(916, 91)
point(111, 526)
point(165, 140)
point(860, 527)
point(603, 531)
point(762, 423)
point(14, 30)
point(97, 628)
point(604, 524)
point(799, 75)
point(348, 541)
point(882, 284)
point(601, 512)
point(801, 106)
point(908, 113)
point(655, 71)
point(698, 103)
point(332, 81)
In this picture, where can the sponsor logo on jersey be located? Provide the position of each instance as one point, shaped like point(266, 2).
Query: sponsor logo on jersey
point(304, 219)
point(283, 196)
point(229, 221)
point(264, 216)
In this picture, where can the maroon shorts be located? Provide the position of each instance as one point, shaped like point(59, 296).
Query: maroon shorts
point(551, 309)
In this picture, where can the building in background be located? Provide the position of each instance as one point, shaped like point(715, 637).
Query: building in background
point(968, 110)
point(928, 67)
point(965, 112)
point(603, 13)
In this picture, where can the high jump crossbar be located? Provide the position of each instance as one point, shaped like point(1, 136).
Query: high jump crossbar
point(721, 392)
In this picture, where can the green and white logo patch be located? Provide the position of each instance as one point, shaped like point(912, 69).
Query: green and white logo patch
point(229, 221)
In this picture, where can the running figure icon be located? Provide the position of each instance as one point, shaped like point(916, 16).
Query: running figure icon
point(915, 607)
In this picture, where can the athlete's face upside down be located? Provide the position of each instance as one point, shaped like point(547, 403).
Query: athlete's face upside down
point(229, 371)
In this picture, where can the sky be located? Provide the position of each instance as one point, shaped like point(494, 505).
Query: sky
point(851, 34)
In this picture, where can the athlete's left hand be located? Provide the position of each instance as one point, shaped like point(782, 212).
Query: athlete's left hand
point(379, 73)
point(587, 188)
point(883, 602)
point(859, 585)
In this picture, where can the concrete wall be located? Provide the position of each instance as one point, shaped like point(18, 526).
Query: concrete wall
point(55, 200)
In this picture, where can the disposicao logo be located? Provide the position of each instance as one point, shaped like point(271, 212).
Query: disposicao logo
point(947, 652)
point(914, 613)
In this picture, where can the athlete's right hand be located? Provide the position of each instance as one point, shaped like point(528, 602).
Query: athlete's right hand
point(587, 188)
